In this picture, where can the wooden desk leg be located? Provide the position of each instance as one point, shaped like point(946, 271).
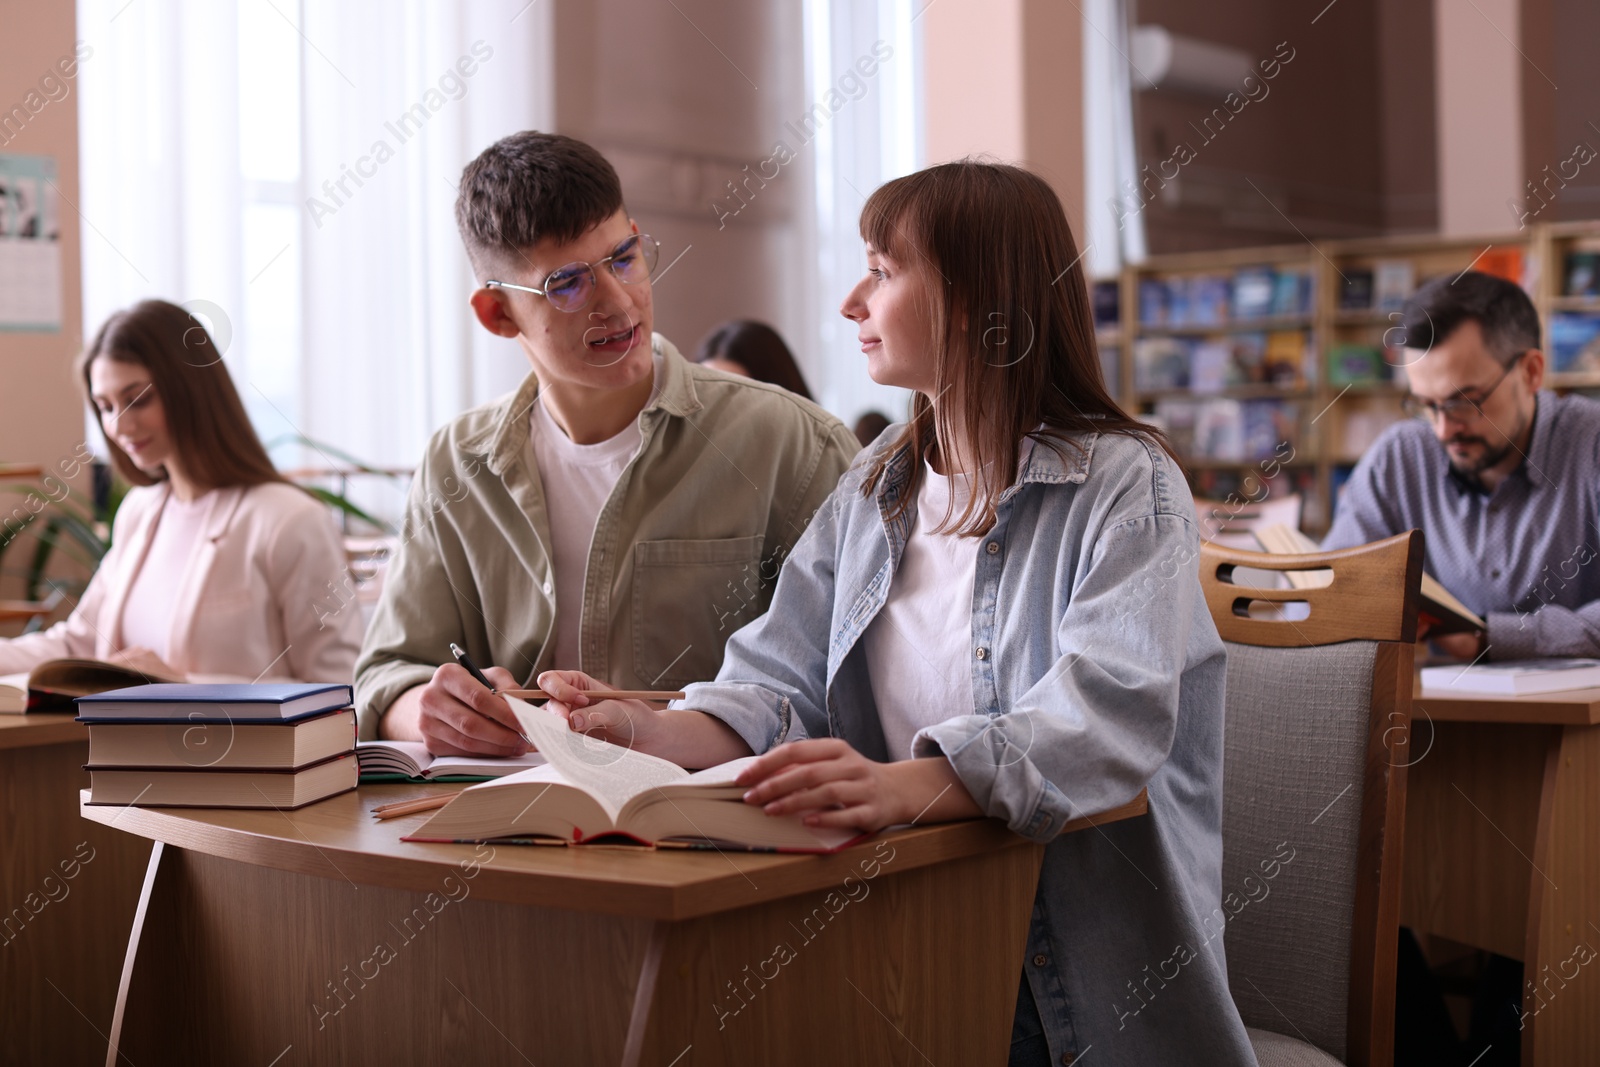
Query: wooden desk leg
point(68, 888)
point(1561, 992)
point(890, 969)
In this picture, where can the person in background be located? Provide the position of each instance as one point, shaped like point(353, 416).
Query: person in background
point(219, 568)
point(870, 426)
point(959, 632)
point(622, 512)
point(1502, 477)
point(752, 350)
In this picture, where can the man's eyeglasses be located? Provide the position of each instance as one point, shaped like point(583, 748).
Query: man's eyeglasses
point(571, 288)
point(1457, 408)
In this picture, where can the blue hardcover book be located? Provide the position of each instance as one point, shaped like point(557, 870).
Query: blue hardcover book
point(228, 702)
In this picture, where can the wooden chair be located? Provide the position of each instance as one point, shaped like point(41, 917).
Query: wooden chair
point(1317, 726)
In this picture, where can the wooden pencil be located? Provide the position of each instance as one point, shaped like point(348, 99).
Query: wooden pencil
point(407, 807)
point(598, 694)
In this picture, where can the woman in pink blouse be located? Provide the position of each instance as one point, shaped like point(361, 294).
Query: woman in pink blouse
point(220, 569)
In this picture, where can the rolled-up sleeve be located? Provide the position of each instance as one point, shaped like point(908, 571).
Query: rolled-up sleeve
point(1094, 729)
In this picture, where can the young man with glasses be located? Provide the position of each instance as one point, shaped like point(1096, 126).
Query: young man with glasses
point(622, 513)
point(1502, 478)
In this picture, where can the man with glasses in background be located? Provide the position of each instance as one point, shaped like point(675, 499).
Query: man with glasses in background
point(1502, 478)
point(622, 513)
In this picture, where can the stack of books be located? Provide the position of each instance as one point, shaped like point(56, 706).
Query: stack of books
point(273, 745)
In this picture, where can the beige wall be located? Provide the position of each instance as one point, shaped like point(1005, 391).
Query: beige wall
point(1478, 84)
point(708, 97)
point(1005, 78)
point(41, 413)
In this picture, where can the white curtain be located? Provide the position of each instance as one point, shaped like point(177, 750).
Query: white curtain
point(288, 170)
point(874, 136)
point(1112, 236)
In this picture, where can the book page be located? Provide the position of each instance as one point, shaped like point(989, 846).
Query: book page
point(483, 766)
point(611, 773)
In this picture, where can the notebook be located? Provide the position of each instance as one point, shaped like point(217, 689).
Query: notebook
point(229, 702)
point(1515, 677)
point(411, 761)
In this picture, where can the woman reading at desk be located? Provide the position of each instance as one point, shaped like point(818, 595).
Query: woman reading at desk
point(220, 569)
point(997, 613)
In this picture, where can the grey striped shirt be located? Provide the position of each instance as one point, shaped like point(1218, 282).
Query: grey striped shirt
point(1524, 556)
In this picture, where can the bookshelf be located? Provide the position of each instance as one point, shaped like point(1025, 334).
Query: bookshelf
point(1268, 366)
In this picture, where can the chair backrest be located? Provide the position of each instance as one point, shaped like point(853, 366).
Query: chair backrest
point(1229, 522)
point(1317, 725)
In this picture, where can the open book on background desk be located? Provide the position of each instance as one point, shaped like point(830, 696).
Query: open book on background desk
point(410, 760)
point(593, 789)
point(52, 685)
point(1439, 608)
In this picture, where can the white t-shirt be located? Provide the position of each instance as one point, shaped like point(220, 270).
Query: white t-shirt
point(919, 646)
point(147, 613)
point(577, 481)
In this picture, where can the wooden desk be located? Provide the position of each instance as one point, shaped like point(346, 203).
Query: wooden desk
point(319, 931)
point(68, 891)
point(1502, 849)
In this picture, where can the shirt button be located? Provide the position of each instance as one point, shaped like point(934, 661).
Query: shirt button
point(547, 588)
point(1040, 960)
point(983, 653)
point(994, 546)
point(1495, 573)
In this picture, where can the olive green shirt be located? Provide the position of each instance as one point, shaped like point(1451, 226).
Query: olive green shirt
point(685, 551)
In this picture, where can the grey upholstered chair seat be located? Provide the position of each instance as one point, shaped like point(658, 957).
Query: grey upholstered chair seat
point(1276, 1050)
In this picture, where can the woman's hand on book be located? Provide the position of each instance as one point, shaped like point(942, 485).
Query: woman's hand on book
point(829, 783)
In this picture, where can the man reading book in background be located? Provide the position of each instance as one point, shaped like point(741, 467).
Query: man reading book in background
point(622, 513)
point(1502, 478)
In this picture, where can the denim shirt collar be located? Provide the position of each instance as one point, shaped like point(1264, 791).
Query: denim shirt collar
point(1041, 464)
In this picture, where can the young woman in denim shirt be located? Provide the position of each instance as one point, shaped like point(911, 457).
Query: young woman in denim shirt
point(997, 613)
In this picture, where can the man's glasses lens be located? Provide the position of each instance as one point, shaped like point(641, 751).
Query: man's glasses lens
point(570, 288)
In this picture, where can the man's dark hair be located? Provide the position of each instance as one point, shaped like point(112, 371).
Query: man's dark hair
point(529, 186)
point(1500, 308)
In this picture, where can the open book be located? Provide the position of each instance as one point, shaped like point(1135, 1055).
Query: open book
point(593, 789)
point(51, 685)
point(1442, 611)
point(411, 760)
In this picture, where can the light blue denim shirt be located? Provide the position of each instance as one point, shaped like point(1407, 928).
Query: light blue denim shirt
point(1096, 672)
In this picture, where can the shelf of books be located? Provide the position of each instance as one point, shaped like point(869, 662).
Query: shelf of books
point(1271, 369)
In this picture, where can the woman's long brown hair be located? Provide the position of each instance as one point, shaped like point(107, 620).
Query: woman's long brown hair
point(1013, 333)
point(211, 434)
